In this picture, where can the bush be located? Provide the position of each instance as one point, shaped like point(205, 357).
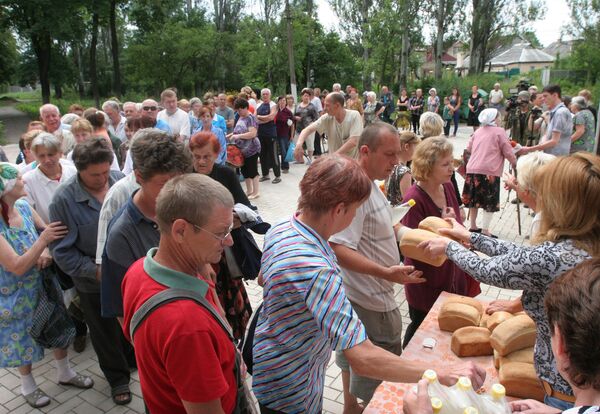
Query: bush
point(2, 134)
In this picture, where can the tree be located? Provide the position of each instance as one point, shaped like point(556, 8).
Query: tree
point(114, 47)
point(9, 57)
point(447, 15)
point(585, 15)
point(497, 18)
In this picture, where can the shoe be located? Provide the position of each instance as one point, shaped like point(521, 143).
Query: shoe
point(79, 381)
point(37, 399)
point(121, 391)
point(264, 178)
point(277, 180)
point(285, 171)
point(79, 343)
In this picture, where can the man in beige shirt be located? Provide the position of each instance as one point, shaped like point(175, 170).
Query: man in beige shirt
point(342, 127)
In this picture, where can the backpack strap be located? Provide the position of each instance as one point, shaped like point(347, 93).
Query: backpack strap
point(172, 295)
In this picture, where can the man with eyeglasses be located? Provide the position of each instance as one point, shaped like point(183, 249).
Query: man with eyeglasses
point(150, 109)
point(185, 359)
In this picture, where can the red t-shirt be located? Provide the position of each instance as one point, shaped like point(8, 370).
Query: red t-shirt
point(182, 352)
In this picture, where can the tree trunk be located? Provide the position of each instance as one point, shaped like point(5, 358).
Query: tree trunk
point(366, 76)
point(309, 12)
point(290, 47)
point(114, 47)
point(93, 69)
point(58, 91)
point(404, 60)
point(439, 44)
point(480, 33)
point(41, 47)
point(80, 79)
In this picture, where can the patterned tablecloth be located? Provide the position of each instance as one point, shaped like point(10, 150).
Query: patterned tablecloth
point(388, 396)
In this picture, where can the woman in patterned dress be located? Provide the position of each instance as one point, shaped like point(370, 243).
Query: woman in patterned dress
point(568, 193)
point(22, 253)
point(400, 179)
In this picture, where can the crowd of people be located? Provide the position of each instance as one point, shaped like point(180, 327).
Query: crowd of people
point(138, 211)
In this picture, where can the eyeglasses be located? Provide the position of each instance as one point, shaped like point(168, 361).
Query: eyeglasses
point(149, 108)
point(221, 237)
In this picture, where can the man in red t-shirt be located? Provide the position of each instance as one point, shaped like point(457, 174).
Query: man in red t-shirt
point(185, 359)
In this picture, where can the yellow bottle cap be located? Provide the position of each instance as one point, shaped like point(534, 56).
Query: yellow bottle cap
point(464, 383)
point(430, 375)
point(411, 202)
point(471, 410)
point(498, 391)
point(436, 404)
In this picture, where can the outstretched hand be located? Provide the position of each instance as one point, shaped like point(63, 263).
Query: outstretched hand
point(405, 275)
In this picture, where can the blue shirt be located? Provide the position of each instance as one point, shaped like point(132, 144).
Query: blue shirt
point(163, 126)
point(222, 141)
point(561, 121)
point(305, 316)
point(75, 254)
point(219, 122)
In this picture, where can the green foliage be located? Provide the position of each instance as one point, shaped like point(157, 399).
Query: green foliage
point(2, 134)
point(8, 57)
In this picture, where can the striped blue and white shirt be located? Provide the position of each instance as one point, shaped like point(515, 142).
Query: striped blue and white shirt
point(306, 315)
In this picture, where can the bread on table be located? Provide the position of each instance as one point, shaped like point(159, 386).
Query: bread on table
point(471, 341)
point(467, 301)
point(521, 381)
point(513, 334)
point(453, 316)
point(524, 356)
point(496, 359)
point(411, 239)
point(484, 319)
point(496, 319)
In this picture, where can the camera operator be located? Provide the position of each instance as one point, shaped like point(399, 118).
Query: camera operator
point(537, 121)
point(518, 118)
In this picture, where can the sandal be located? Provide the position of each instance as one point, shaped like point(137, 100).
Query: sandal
point(79, 381)
point(37, 399)
point(121, 391)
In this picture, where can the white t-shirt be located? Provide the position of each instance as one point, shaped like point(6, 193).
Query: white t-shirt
point(317, 104)
point(496, 96)
point(371, 233)
point(119, 131)
point(339, 133)
point(179, 122)
point(40, 189)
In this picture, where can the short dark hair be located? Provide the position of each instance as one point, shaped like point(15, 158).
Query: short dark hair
point(572, 307)
point(552, 89)
point(155, 152)
point(372, 134)
point(240, 103)
point(95, 150)
point(337, 97)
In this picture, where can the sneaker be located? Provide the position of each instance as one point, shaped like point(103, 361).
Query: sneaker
point(264, 178)
point(285, 171)
point(276, 180)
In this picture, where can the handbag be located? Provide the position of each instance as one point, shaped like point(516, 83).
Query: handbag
point(244, 403)
point(289, 155)
point(234, 156)
point(51, 327)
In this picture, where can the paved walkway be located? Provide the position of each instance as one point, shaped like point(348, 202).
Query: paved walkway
point(277, 201)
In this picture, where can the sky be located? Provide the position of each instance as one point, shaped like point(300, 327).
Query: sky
point(547, 30)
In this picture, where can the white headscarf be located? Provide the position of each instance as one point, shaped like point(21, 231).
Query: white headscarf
point(488, 116)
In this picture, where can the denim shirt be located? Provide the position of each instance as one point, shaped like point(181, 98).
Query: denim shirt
point(75, 254)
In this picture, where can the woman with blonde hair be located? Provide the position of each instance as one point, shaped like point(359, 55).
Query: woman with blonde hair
point(400, 179)
point(431, 124)
point(568, 194)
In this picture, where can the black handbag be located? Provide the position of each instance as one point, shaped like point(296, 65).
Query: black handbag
point(51, 327)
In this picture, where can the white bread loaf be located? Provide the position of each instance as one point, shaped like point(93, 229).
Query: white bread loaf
point(513, 334)
point(496, 319)
point(408, 246)
point(453, 316)
point(471, 341)
point(467, 301)
point(524, 356)
point(521, 381)
point(433, 224)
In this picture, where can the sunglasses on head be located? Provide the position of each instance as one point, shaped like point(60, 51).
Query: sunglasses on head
point(149, 108)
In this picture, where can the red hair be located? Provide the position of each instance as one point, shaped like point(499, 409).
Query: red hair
point(202, 139)
point(204, 110)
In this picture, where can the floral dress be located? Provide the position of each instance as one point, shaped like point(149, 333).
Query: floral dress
point(19, 297)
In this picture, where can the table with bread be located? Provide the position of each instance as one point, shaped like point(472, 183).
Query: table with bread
point(457, 328)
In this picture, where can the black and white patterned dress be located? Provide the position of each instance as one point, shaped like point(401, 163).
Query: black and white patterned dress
point(583, 410)
point(530, 268)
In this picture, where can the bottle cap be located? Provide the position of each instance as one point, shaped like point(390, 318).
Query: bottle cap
point(411, 202)
point(430, 375)
point(464, 384)
point(470, 410)
point(498, 391)
point(436, 404)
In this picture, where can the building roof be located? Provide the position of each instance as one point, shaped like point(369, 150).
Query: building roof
point(520, 51)
point(560, 48)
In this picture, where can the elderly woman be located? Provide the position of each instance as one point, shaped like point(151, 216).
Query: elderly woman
point(354, 102)
point(296, 328)
point(432, 167)
point(400, 179)
point(306, 114)
point(475, 106)
point(584, 137)
point(205, 148)
point(244, 136)
point(402, 121)
point(568, 191)
point(194, 114)
point(489, 147)
point(433, 101)
point(284, 120)
point(372, 108)
point(208, 126)
point(22, 254)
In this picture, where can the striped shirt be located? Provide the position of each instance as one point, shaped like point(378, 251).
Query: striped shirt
point(306, 316)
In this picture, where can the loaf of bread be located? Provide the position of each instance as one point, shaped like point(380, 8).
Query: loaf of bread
point(467, 301)
point(521, 381)
point(496, 319)
point(408, 246)
point(496, 359)
point(513, 334)
point(524, 356)
point(483, 320)
point(433, 224)
point(471, 341)
point(453, 316)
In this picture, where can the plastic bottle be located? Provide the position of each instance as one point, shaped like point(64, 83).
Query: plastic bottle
point(464, 395)
point(436, 405)
point(471, 410)
point(495, 402)
point(434, 388)
point(400, 211)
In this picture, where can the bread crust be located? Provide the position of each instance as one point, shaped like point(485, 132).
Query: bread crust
point(513, 334)
point(471, 341)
